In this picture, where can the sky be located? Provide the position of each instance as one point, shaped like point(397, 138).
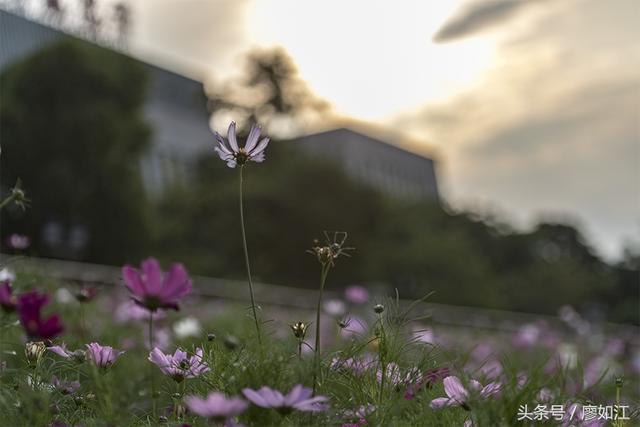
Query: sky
point(531, 108)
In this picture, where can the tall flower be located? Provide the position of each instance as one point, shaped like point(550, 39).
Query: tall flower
point(216, 406)
point(179, 365)
point(299, 399)
point(152, 289)
point(102, 356)
point(458, 395)
point(229, 150)
point(29, 309)
point(8, 301)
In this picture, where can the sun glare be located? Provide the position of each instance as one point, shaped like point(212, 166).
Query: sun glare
point(371, 59)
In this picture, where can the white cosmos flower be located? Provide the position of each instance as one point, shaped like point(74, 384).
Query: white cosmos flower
point(229, 150)
point(187, 327)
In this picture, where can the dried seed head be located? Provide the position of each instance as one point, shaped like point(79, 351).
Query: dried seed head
point(211, 337)
point(378, 308)
point(299, 330)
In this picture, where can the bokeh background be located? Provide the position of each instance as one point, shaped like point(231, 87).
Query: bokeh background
point(487, 151)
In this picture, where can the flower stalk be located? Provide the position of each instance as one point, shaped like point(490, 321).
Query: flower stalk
point(246, 261)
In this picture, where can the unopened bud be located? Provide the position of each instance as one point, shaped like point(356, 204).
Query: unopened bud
point(378, 308)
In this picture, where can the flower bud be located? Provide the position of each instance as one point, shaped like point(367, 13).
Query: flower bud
point(211, 337)
point(299, 330)
point(378, 308)
point(34, 351)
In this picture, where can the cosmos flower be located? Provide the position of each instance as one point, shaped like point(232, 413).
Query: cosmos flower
point(458, 395)
point(29, 309)
point(179, 365)
point(356, 294)
point(8, 301)
point(102, 356)
point(217, 407)
point(152, 289)
point(428, 380)
point(18, 241)
point(62, 351)
point(356, 366)
point(230, 152)
point(65, 386)
point(299, 399)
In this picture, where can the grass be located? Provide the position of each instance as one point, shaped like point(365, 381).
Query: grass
point(121, 397)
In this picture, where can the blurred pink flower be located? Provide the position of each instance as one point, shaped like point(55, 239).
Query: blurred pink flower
point(299, 399)
point(30, 307)
point(216, 407)
point(458, 395)
point(355, 327)
point(334, 307)
point(18, 241)
point(356, 294)
point(102, 356)
point(152, 289)
point(130, 311)
point(65, 386)
point(179, 365)
point(230, 152)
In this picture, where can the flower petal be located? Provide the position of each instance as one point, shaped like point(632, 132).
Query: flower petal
point(252, 139)
point(231, 137)
point(454, 389)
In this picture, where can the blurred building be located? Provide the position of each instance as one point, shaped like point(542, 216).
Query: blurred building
point(383, 166)
point(176, 111)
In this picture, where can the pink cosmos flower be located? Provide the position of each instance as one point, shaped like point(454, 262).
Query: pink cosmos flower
point(428, 380)
point(29, 308)
point(230, 152)
point(574, 416)
point(216, 406)
point(18, 241)
point(152, 289)
point(356, 294)
point(62, 351)
point(179, 365)
point(458, 395)
point(8, 301)
point(65, 386)
point(102, 356)
point(299, 398)
point(354, 327)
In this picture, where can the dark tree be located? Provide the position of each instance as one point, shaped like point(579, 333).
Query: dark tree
point(73, 131)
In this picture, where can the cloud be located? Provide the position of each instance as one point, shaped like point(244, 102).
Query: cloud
point(553, 127)
point(479, 16)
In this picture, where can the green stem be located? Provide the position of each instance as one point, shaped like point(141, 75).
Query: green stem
point(381, 349)
point(246, 261)
point(151, 377)
point(323, 279)
point(6, 201)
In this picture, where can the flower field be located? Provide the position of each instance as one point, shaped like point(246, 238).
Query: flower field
point(150, 352)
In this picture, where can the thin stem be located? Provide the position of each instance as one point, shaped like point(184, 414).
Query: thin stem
point(381, 350)
point(6, 201)
point(151, 377)
point(246, 261)
point(323, 279)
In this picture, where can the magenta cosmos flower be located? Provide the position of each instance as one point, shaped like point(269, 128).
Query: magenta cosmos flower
point(299, 398)
point(152, 289)
point(458, 395)
point(216, 406)
point(230, 152)
point(179, 365)
point(8, 301)
point(29, 309)
point(102, 356)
